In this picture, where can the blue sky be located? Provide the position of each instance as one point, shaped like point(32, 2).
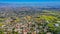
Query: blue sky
point(30, 1)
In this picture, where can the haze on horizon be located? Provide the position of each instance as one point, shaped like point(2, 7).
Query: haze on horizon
point(53, 3)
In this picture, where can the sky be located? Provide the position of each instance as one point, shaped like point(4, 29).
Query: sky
point(10, 1)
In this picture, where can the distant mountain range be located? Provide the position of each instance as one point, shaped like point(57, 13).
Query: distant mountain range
point(29, 6)
point(41, 5)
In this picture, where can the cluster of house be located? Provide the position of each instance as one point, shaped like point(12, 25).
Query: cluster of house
point(22, 28)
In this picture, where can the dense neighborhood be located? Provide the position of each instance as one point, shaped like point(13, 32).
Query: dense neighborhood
point(29, 20)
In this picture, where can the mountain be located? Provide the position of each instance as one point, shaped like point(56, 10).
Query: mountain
point(41, 5)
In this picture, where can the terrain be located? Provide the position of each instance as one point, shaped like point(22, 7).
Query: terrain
point(29, 20)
